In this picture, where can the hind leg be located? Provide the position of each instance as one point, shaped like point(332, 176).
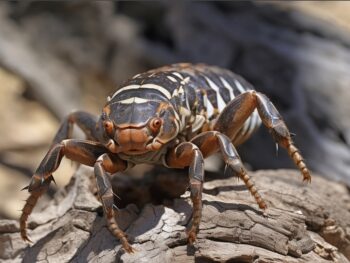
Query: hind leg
point(234, 115)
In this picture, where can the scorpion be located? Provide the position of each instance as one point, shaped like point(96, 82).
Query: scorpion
point(174, 116)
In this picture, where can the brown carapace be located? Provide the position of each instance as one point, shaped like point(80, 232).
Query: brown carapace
point(174, 116)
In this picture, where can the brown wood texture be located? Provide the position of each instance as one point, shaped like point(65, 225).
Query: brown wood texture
point(304, 223)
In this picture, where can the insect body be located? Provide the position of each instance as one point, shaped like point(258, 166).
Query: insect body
point(174, 116)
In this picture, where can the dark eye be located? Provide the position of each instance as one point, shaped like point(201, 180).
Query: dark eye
point(109, 127)
point(155, 124)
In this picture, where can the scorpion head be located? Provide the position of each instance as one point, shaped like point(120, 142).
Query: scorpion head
point(136, 126)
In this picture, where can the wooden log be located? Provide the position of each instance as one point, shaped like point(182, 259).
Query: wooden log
point(304, 223)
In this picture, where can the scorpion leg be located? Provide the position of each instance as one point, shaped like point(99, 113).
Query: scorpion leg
point(238, 111)
point(85, 152)
point(106, 163)
point(184, 155)
point(212, 141)
point(85, 121)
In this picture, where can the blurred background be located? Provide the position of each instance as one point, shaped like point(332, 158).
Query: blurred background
point(59, 56)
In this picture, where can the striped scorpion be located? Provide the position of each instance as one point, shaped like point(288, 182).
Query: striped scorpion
point(174, 116)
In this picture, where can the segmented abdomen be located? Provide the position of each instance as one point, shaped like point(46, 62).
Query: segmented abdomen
point(214, 88)
point(198, 93)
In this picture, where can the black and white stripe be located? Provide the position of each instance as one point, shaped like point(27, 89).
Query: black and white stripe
point(179, 86)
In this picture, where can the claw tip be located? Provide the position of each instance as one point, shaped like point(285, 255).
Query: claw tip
point(25, 188)
point(26, 239)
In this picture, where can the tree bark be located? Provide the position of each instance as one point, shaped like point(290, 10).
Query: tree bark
point(304, 223)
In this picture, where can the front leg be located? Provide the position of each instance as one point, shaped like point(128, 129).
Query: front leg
point(85, 121)
point(85, 152)
point(184, 155)
point(112, 164)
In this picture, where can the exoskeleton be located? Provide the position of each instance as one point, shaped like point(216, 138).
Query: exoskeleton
point(174, 116)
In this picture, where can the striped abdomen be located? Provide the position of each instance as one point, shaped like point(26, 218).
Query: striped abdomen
point(208, 90)
point(198, 93)
point(221, 87)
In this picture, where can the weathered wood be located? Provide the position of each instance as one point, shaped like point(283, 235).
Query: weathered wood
point(301, 224)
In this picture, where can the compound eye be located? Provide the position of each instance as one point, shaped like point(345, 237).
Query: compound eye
point(155, 124)
point(109, 127)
